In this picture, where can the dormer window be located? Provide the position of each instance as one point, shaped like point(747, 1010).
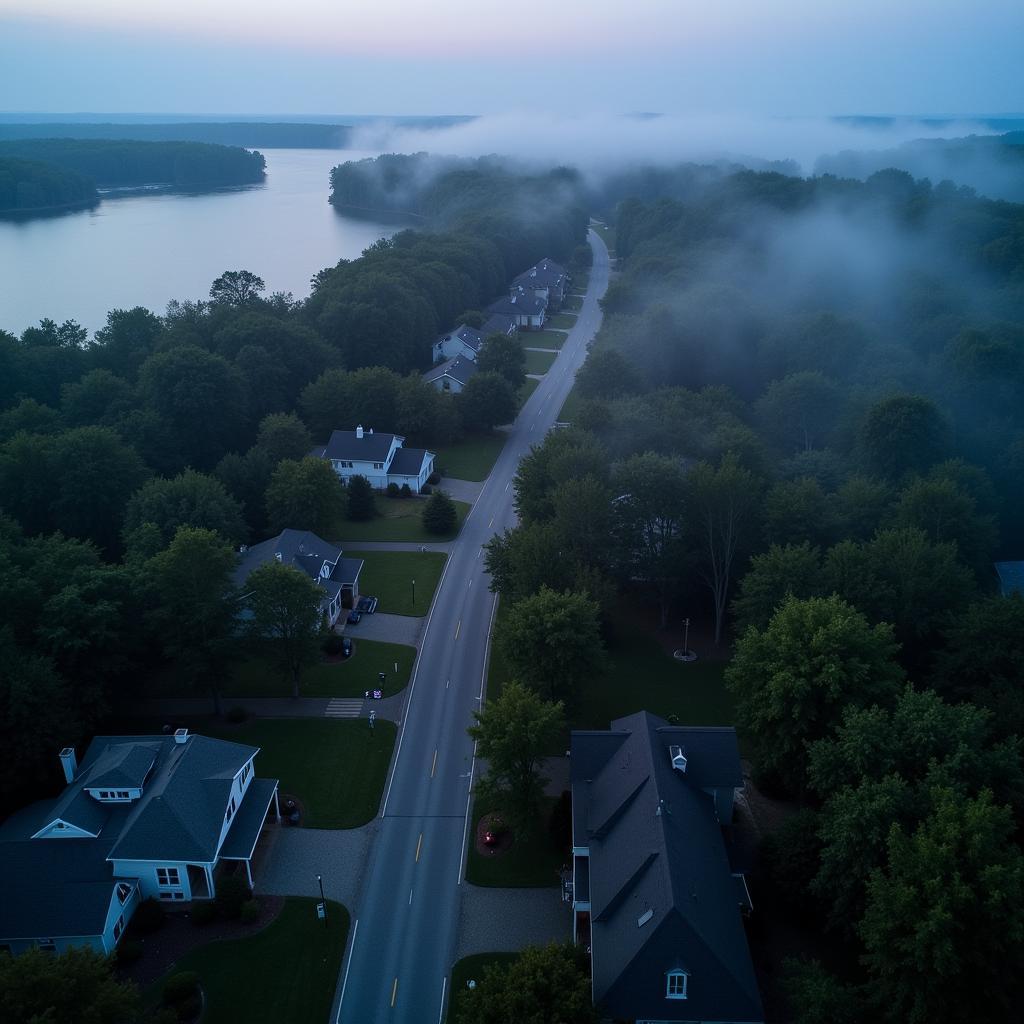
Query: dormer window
point(675, 984)
point(124, 890)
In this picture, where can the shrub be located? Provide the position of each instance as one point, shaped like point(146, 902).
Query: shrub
point(235, 715)
point(149, 916)
point(426, 489)
point(439, 514)
point(178, 987)
point(232, 892)
point(129, 951)
point(393, 490)
point(406, 491)
point(362, 504)
point(189, 1007)
point(331, 644)
point(202, 913)
point(250, 912)
point(434, 478)
point(561, 822)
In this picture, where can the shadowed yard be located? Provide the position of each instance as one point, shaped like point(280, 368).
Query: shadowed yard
point(400, 521)
point(539, 362)
point(472, 458)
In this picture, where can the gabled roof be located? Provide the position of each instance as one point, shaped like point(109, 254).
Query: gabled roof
point(409, 461)
point(123, 766)
point(545, 274)
point(300, 548)
point(458, 368)
point(1011, 577)
point(349, 447)
point(466, 334)
point(521, 302)
point(498, 323)
point(656, 845)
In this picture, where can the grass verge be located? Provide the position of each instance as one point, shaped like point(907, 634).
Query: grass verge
point(336, 768)
point(561, 322)
point(526, 390)
point(471, 458)
point(570, 407)
point(546, 339)
point(471, 968)
point(400, 520)
point(531, 862)
point(389, 576)
point(352, 677)
point(286, 972)
point(539, 362)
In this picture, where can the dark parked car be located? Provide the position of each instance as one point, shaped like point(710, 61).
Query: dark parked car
point(346, 647)
point(368, 605)
point(354, 616)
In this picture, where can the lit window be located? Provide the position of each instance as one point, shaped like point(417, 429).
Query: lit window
point(167, 876)
point(675, 984)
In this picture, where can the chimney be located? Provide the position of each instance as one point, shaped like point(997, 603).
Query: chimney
point(69, 763)
point(359, 432)
point(180, 735)
point(371, 430)
point(678, 758)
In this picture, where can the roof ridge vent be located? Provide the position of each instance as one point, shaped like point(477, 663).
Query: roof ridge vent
point(675, 752)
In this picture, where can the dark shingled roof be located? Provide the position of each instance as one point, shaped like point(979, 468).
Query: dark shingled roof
point(470, 335)
point(408, 461)
point(498, 323)
point(1011, 577)
point(344, 445)
point(245, 829)
point(546, 274)
point(458, 368)
point(656, 845)
point(123, 766)
point(523, 303)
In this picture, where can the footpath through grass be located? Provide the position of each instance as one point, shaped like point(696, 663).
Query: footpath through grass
point(389, 576)
point(286, 972)
point(471, 968)
point(350, 677)
point(539, 362)
point(471, 458)
point(336, 768)
point(400, 520)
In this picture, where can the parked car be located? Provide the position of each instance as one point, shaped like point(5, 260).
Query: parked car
point(354, 616)
point(346, 647)
point(367, 605)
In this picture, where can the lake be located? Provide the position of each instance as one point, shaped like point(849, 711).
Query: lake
point(144, 250)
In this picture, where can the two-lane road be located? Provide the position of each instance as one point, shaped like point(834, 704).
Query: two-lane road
point(404, 936)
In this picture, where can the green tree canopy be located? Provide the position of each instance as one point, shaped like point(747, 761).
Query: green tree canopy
point(304, 495)
point(780, 572)
point(283, 436)
point(439, 514)
point(903, 434)
point(607, 374)
point(237, 287)
point(799, 412)
point(361, 499)
point(504, 356)
point(486, 402)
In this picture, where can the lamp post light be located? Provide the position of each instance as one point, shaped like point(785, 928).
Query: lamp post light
point(686, 637)
point(414, 595)
point(323, 899)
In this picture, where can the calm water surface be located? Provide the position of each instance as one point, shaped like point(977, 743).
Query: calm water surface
point(144, 250)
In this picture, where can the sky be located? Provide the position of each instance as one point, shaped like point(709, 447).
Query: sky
point(741, 57)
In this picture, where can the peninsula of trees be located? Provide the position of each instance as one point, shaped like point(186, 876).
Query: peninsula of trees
point(30, 186)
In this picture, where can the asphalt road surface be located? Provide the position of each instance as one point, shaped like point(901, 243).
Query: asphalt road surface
point(403, 936)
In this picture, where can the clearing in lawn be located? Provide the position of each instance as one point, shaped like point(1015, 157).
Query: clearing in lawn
point(539, 362)
point(471, 458)
point(335, 768)
point(346, 677)
point(403, 581)
point(561, 322)
point(286, 972)
point(400, 520)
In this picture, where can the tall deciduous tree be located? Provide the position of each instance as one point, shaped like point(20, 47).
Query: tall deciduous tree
point(304, 495)
point(504, 356)
point(286, 617)
point(792, 681)
point(774, 575)
point(799, 412)
point(237, 287)
point(721, 509)
point(486, 402)
point(196, 605)
point(903, 434)
point(553, 643)
point(515, 732)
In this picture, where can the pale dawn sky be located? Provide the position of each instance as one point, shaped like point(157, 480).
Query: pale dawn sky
point(803, 57)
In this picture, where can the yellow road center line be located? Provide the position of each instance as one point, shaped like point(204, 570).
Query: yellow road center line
point(433, 767)
point(394, 991)
point(419, 844)
point(457, 628)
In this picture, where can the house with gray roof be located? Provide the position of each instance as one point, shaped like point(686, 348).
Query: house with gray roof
point(654, 895)
point(452, 375)
point(463, 341)
point(142, 816)
point(381, 458)
point(546, 279)
point(1011, 577)
point(336, 576)
point(500, 323)
point(524, 305)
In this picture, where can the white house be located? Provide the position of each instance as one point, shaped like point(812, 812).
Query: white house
point(524, 305)
point(336, 576)
point(463, 341)
point(143, 816)
point(451, 376)
point(378, 457)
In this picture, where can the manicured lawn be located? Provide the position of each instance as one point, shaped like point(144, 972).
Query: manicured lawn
point(539, 362)
point(286, 972)
point(352, 677)
point(572, 303)
point(471, 458)
point(570, 406)
point(400, 520)
point(561, 322)
point(526, 390)
point(336, 768)
point(389, 575)
point(498, 670)
point(607, 234)
point(530, 862)
point(545, 339)
point(472, 968)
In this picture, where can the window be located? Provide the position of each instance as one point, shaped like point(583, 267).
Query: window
point(172, 895)
point(675, 984)
point(118, 928)
point(231, 809)
point(122, 794)
point(245, 771)
point(124, 890)
point(378, 465)
point(167, 876)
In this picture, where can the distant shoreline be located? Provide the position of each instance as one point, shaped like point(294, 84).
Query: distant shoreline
point(17, 213)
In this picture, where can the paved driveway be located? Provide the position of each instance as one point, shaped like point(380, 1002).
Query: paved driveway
point(461, 490)
point(506, 920)
point(394, 629)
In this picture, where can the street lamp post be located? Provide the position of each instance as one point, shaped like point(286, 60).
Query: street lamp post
point(414, 595)
point(323, 899)
point(686, 637)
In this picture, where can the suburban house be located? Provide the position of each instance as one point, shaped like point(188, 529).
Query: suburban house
point(463, 341)
point(654, 896)
point(1011, 577)
point(452, 375)
point(547, 280)
point(143, 816)
point(500, 323)
point(337, 577)
point(379, 457)
point(526, 307)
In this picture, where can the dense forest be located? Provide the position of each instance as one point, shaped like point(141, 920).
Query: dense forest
point(200, 419)
point(31, 186)
point(803, 422)
point(250, 134)
point(119, 163)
